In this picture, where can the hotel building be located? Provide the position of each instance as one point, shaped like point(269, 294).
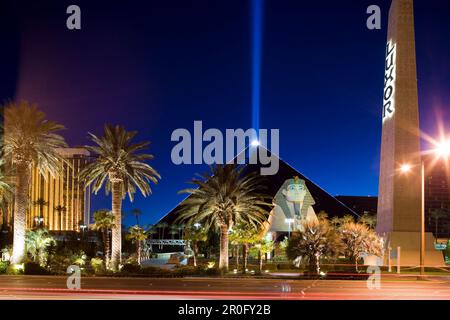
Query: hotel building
point(47, 193)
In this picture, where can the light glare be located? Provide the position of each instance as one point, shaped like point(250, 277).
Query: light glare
point(405, 168)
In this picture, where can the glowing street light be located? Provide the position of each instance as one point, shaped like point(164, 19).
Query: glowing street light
point(405, 168)
point(442, 150)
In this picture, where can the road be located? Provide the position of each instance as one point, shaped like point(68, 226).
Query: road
point(50, 287)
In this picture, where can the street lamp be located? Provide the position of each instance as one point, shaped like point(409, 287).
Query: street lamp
point(289, 221)
point(442, 150)
point(405, 169)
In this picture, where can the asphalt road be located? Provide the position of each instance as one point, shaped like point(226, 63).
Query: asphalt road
point(50, 287)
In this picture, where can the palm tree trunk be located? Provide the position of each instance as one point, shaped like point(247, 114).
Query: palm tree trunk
point(116, 254)
point(245, 257)
point(237, 257)
point(138, 251)
point(259, 261)
point(106, 247)
point(195, 249)
point(20, 207)
point(223, 260)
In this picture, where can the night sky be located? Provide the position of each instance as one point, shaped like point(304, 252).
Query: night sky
point(155, 66)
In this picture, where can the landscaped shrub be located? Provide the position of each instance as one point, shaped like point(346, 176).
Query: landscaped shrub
point(98, 265)
point(3, 266)
point(58, 264)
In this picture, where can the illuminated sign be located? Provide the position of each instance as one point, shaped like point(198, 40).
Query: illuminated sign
point(389, 82)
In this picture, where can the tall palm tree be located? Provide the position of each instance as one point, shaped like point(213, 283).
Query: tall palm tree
point(119, 163)
point(5, 193)
point(335, 221)
point(316, 241)
point(61, 210)
point(104, 221)
point(224, 197)
point(137, 235)
point(359, 239)
point(347, 219)
point(136, 213)
point(369, 220)
point(29, 139)
point(40, 203)
point(195, 235)
point(243, 235)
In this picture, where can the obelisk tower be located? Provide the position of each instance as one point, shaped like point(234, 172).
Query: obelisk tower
point(399, 201)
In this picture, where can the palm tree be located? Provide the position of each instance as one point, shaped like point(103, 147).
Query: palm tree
point(40, 203)
point(137, 235)
point(347, 219)
point(37, 242)
point(195, 234)
point(322, 215)
point(5, 193)
point(335, 221)
point(136, 213)
point(223, 198)
point(358, 239)
point(263, 247)
point(369, 220)
point(104, 221)
point(243, 235)
point(29, 139)
point(124, 169)
point(60, 209)
point(317, 240)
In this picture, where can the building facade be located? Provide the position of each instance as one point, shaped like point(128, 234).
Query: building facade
point(437, 197)
point(58, 203)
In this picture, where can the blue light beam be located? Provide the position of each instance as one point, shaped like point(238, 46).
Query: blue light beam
point(257, 31)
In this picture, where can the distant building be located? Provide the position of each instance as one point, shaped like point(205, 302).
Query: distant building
point(295, 198)
point(64, 190)
point(437, 197)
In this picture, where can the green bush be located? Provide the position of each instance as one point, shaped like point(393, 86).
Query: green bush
point(58, 264)
point(3, 267)
point(98, 265)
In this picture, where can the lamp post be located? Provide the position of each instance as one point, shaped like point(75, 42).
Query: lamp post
point(442, 151)
point(406, 168)
point(289, 221)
